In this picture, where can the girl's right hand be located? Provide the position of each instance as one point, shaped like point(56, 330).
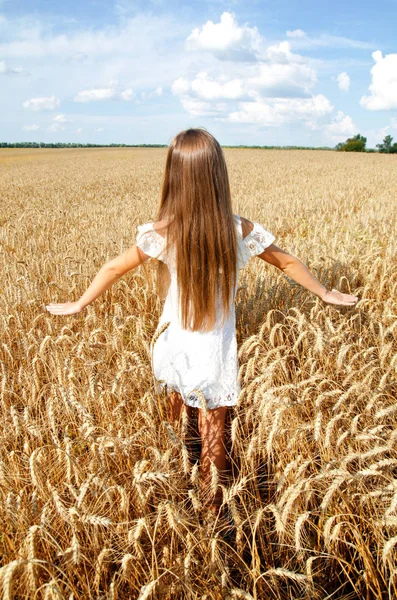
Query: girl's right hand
point(66, 308)
point(335, 297)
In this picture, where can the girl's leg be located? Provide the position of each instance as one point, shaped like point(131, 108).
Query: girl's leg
point(212, 432)
point(175, 407)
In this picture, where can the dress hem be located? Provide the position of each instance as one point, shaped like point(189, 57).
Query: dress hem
point(193, 400)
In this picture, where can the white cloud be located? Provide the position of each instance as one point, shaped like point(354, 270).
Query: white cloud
point(393, 122)
point(273, 89)
point(78, 130)
point(343, 81)
point(225, 36)
point(283, 80)
point(180, 86)
point(101, 94)
point(158, 91)
point(127, 94)
point(55, 127)
point(32, 127)
point(99, 129)
point(340, 128)
point(95, 95)
point(60, 119)
point(271, 92)
point(281, 53)
point(383, 89)
point(198, 108)
point(296, 33)
point(332, 41)
point(35, 38)
point(279, 73)
point(209, 89)
point(272, 112)
point(4, 69)
point(282, 73)
point(50, 103)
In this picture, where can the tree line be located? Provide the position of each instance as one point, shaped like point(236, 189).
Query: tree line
point(358, 142)
point(80, 145)
point(75, 145)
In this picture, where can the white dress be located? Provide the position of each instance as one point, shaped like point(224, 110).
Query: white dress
point(184, 360)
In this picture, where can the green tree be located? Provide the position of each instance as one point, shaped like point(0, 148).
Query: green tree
point(354, 144)
point(386, 146)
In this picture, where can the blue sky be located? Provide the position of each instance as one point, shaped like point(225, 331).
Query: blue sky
point(256, 73)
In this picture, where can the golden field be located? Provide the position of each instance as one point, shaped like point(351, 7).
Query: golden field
point(100, 497)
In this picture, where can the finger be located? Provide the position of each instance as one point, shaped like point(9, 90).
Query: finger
point(56, 307)
point(342, 302)
point(348, 300)
point(346, 296)
point(59, 307)
point(53, 304)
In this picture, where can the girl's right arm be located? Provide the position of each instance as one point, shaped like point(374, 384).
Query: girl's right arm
point(297, 271)
point(107, 275)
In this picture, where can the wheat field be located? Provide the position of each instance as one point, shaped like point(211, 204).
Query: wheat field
point(100, 495)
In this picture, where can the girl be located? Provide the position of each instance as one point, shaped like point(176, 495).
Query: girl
point(200, 246)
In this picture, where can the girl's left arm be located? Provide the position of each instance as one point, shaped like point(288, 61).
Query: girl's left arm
point(103, 280)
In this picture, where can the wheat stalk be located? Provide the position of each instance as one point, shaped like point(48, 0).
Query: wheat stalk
point(85, 450)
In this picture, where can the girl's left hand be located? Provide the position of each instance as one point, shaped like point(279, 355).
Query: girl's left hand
point(336, 297)
point(68, 308)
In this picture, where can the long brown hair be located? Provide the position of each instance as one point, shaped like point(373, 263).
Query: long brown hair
point(196, 203)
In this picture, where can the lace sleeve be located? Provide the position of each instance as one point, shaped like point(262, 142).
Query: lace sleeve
point(255, 242)
point(149, 241)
